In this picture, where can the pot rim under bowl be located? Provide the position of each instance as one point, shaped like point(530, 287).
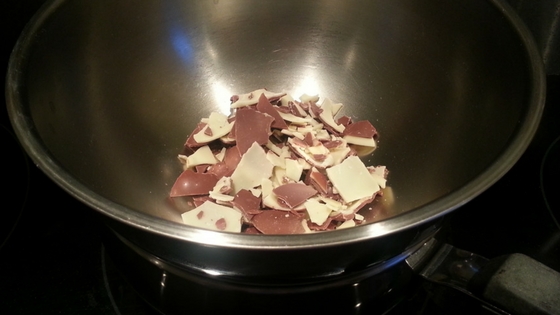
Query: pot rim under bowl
point(24, 128)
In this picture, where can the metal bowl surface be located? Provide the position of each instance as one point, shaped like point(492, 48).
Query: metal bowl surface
point(102, 95)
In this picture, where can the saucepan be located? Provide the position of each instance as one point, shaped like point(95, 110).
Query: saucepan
point(103, 94)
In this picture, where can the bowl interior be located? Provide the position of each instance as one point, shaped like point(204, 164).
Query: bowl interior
point(113, 88)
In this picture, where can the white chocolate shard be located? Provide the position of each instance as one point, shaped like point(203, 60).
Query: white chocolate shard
point(220, 190)
point(309, 98)
point(275, 159)
point(366, 142)
point(355, 206)
point(334, 108)
point(378, 174)
point(306, 129)
point(294, 169)
point(252, 169)
point(339, 155)
point(201, 156)
point(218, 124)
point(273, 147)
point(285, 152)
point(304, 164)
point(298, 135)
point(346, 224)
point(266, 187)
point(214, 217)
point(318, 212)
point(330, 110)
point(323, 135)
point(318, 150)
point(359, 217)
point(278, 177)
point(284, 100)
point(183, 159)
point(352, 179)
point(302, 121)
point(219, 197)
point(332, 204)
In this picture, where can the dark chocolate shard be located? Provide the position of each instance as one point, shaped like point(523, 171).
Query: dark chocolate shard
point(344, 120)
point(247, 203)
point(190, 183)
point(251, 126)
point(227, 165)
point(319, 181)
point(278, 222)
point(264, 106)
point(361, 129)
point(294, 194)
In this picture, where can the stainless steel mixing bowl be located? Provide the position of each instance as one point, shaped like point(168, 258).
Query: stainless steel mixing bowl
point(102, 95)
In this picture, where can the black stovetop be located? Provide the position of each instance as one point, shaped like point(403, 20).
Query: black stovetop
point(52, 259)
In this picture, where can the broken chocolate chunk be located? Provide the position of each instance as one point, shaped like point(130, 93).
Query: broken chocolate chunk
point(278, 166)
point(190, 183)
point(251, 126)
point(361, 129)
point(294, 194)
point(279, 222)
point(265, 107)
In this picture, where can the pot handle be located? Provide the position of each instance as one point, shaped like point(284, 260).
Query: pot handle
point(514, 283)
